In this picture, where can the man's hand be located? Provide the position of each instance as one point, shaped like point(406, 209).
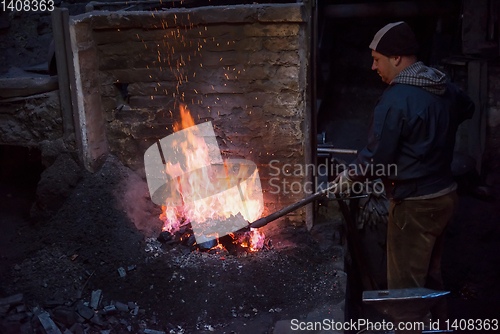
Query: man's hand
point(344, 183)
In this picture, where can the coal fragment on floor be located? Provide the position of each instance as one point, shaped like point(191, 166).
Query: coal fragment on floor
point(12, 300)
point(121, 307)
point(48, 324)
point(84, 311)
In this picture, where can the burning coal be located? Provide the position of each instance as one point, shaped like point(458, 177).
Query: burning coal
point(188, 177)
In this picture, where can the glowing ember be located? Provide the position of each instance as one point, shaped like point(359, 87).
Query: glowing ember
point(220, 198)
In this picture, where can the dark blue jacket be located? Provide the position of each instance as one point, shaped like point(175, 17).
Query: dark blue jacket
point(415, 130)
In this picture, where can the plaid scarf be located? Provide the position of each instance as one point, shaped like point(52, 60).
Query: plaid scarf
point(422, 76)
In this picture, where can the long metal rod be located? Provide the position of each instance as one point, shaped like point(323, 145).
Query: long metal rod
point(336, 150)
point(273, 216)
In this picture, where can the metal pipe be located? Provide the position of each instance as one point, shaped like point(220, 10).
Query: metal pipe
point(336, 150)
point(292, 207)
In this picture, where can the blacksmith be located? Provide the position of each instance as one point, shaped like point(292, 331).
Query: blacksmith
point(413, 126)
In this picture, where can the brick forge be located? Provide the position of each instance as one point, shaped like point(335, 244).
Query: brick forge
point(241, 67)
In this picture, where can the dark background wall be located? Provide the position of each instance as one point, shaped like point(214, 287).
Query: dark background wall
point(349, 89)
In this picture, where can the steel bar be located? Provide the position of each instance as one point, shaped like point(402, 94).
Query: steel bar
point(273, 216)
point(336, 150)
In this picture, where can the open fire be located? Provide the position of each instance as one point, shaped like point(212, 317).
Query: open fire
point(205, 198)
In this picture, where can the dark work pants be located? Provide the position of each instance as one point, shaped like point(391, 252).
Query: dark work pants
point(415, 236)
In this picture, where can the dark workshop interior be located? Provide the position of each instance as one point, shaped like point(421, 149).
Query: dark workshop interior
point(88, 89)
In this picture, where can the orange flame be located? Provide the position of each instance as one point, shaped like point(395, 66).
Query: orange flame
point(209, 198)
point(186, 119)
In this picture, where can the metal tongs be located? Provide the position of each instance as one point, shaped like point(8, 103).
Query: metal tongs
point(261, 222)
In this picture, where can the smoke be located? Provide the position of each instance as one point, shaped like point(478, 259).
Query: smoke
point(134, 199)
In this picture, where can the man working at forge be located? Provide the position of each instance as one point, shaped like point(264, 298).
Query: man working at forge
point(414, 126)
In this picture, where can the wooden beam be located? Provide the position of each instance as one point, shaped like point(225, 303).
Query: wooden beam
point(61, 44)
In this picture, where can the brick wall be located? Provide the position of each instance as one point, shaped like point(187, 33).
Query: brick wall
point(242, 67)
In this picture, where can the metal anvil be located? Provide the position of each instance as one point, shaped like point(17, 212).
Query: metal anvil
point(404, 305)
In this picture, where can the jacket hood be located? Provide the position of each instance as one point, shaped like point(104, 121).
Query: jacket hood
point(422, 76)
